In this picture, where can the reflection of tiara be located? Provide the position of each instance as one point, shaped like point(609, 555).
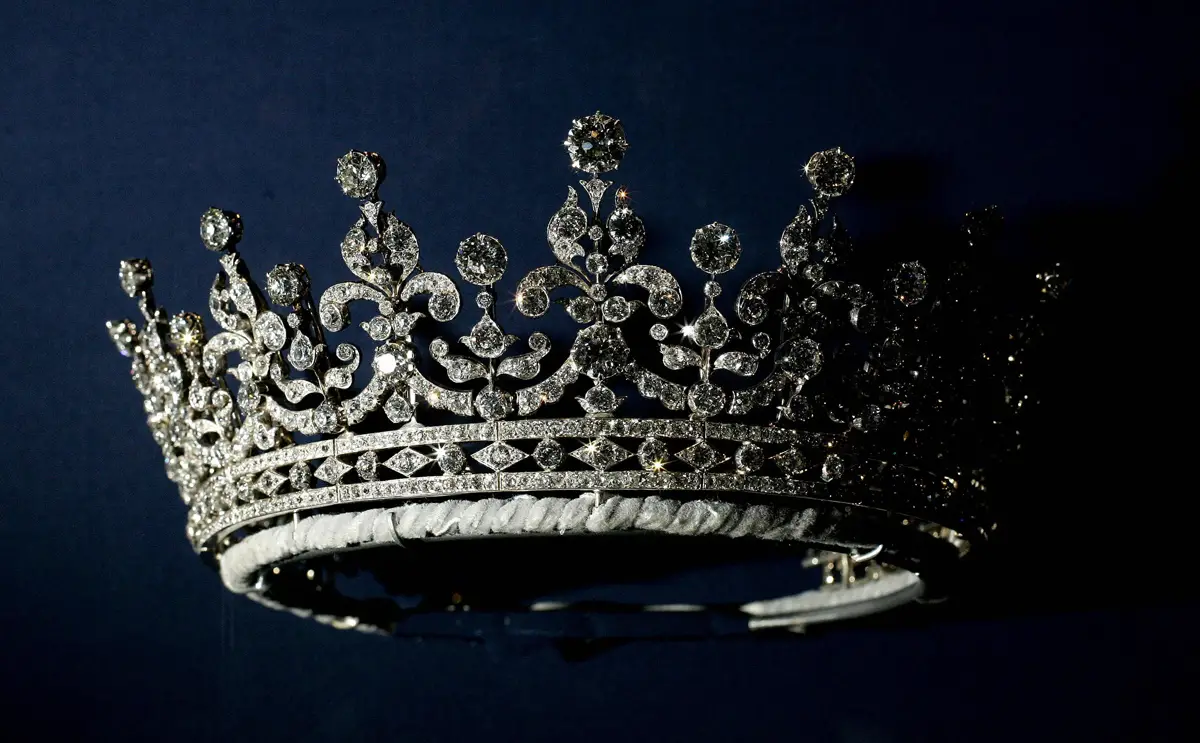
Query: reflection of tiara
point(810, 402)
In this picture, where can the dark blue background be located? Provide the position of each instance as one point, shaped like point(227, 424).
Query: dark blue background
point(120, 123)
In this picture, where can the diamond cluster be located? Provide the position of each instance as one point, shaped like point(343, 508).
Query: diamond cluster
point(803, 382)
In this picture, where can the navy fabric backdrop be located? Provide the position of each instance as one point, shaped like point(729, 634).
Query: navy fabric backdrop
point(120, 123)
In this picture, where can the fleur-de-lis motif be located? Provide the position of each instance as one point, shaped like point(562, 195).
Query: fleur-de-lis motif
point(383, 252)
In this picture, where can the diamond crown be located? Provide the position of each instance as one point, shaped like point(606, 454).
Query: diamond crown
point(808, 383)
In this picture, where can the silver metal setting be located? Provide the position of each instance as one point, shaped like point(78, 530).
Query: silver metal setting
point(731, 384)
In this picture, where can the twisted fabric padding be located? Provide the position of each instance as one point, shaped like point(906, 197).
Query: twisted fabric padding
point(521, 514)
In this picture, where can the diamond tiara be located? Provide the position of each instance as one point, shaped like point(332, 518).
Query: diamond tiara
point(814, 385)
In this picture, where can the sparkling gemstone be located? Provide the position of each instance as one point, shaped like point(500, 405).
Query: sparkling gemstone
point(715, 248)
point(616, 309)
point(199, 396)
point(739, 362)
point(366, 466)
point(136, 276)
point(325, 418)
point(749, 457)
point(761, 341)
point(831, 172)
point(548, 454)
point(795, 241)
point(493, 404)
point(379, 328)
point(269, 482)
point(702, 456)
point(568, 224)
point(220, 230)
point(270, 331)
point(186, 332)
point(595, 188)
point(398, 409)
point(601, 454)
point(371, 210)
point(332, 470)
point(706, 399)
point(791, 462)
point(264, 436)
point(910, 283)
point(359, 174)
point(287, 283)
point(800, 358)
point(711, 329)
point(596, 262)
point(596, 143)
point(481, 259)
point(712, 289)
point(484, 299)
point(583, 309)
point(626, 230)
point(123, 333)
point(487, 340)
point(658, 331)
point(245, 488)
point(499, 455)
point(443, 307)
point(248, 396)
point(600, 399)
point(407, 461)
point(392, 361)
point(833, 468)
point(596, 232)
point(672, 395)
point(301, 353)
point(300, 476)
point(451, 459)
point(653, 454)
point(798, 408)
point(600, 351)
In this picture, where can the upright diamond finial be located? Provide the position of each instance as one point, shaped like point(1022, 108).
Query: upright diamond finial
point(220, 230)
point(596, 143)
point(360, 173)
point(286, 283)
point(831, 172)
